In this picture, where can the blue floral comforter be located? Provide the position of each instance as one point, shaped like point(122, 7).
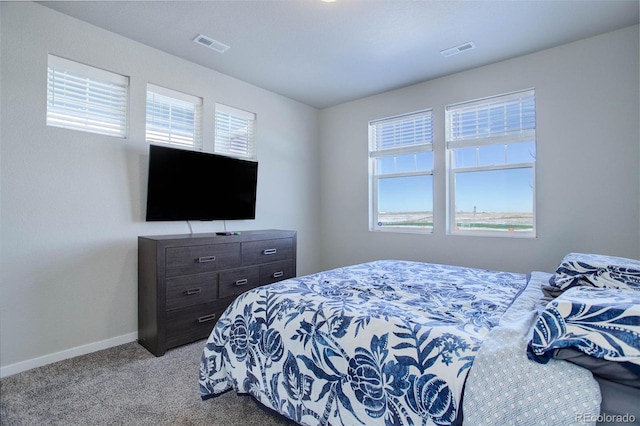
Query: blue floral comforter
point(386, 342)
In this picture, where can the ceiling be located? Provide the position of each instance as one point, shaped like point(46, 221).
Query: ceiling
point(324, 54)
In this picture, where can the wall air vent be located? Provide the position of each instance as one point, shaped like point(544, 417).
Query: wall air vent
point(458, 49)
point(211, 43)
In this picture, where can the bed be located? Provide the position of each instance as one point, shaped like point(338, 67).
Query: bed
point(410, 343)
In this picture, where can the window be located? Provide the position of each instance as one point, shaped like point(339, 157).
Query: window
point(235, 132)
point(401, 164)
point(491, 148)
point(173, 118)
point(85, 98)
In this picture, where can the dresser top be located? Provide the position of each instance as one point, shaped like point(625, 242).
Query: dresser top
point(240, 236)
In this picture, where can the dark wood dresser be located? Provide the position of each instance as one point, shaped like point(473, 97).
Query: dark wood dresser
point(186, 281)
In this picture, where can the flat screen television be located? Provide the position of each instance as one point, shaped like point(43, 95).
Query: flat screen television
point(191, 185)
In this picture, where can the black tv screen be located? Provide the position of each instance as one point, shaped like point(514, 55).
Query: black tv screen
point(191, 185)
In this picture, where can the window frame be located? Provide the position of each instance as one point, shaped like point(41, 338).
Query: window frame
point(85, 98)
point(527, 133)
point(375, 176)
point(164, 97)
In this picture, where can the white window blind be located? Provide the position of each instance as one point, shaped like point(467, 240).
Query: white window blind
point(173, 117)
point(405, 133)
point(235, 132)
point(81, 97)
point(506, 118)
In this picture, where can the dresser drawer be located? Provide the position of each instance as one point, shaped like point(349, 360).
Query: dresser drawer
point(237, 281)
point(264, 251)
point(191, 290)
point(276, 271)
point(198, 259)
point(192, 323)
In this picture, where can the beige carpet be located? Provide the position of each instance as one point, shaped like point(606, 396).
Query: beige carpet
point(125, 385)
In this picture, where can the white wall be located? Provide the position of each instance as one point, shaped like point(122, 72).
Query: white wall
point(587, 160)
point(72, 203)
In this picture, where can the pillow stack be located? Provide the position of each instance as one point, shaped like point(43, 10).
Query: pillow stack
point(593, 318)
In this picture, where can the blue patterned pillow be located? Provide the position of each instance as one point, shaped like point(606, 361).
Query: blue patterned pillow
point(578, 269)
point(602, 323)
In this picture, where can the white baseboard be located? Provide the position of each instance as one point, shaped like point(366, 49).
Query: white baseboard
point(19, 367)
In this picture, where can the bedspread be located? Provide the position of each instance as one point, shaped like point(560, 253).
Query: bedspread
point(504, 387)
point(385, 342)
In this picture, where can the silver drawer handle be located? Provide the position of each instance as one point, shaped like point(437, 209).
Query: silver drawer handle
point(206, 318)
point(278, 274)
point(192, 291)
point(241, 282)
point(269, 251)
point(205, 259)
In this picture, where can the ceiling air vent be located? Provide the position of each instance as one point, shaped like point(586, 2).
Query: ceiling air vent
point(211, 43)
point(458, 49)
